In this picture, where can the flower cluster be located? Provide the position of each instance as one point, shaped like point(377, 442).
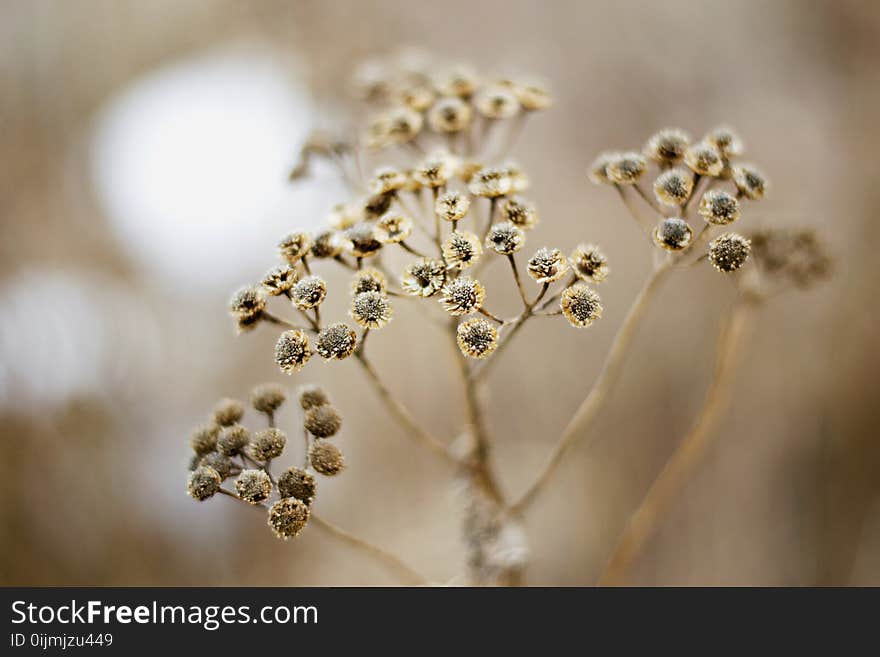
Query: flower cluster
point(224, 448)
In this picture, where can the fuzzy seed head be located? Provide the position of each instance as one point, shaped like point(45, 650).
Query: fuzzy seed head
point(203, 483)
point(435, 171)
point(450, 114)
point(267, 444)
point(370, 310)
point(222, 464)
point(581, 305)
point(424, 277)
point(418, 98)
point(497, 102)
point(452, 206)
point(401, 124)
point(248, 303)
point(626, 168)
point(345, 215)
point(519, 212)
point(228, 411)
point(292, 351)
point(279, 280)
point(393, 228)
point(253, 486)
point(386, 180)
point(674, 187)
point(719, 208)
point(505, 238)
point(462, 249)
point(598, 172)
point(548, 265)
point(326, 458)
point(203, 440)
point(533, 97)
point(328, 244)
point(233, 440)
point(322, 421)
point(362, 241)
point(297, 483)
point(673, 234)
point(491, 183)
point(294, 246)
point(288, 517)
point(267, 397)
point(312, 395)
point(589, 263)
point(373, 207)
point(460, 81)
point(476, 338)
point(726, 141)
point(518, 179)
point(463, 296)
point(750, 182)
point(336, 341)
point(729, 252)
point(368, 280)
point(667, 146)
point(309, 292)
point(703, 158)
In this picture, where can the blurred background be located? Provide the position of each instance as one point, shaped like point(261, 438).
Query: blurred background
point(143, 159)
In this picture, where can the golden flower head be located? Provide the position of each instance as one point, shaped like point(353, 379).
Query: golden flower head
point(423, 277)
point(387, 180)
point(203, 440)
point(674, 186)
point(402, 124)
point(703, 158)
point(336, 341)
point(393, 228)
point(718, 207)
point(581, 305)
point(729, 252)
point(328, 244)
point(589, 263)
point(750, 182)
point(288, 517)
point(461, 249)
point(518, 180)
point(548, 265)
point(532, 96)
point(497, 102)
point(228, 411)
point(309, 292)
point(626, 168)
point(253, 486)
point(491, 183)
point(435, 171)
point(797, 256)
point(326, 458)
point(297, 483)
point(312, 395)
point(462, 296)
point(459, 81)
point(449, 114)
point(267, 444)
point(368, 279)
point(667, 146)
point(505, 238)
point(294, 246)
point(362, 241)
point(598, 172)
point(673, 234)
point(292, 351)
point(203, 483)
point(476, 338)
point(519, 212)
point(726, 141)
point(322, 421)
point(222, 464)
point(267, 397)
point(374, 206)
point(233, 440)
point(452, 206)
point(417, 97)
point(279, 280)
point(370, 310)
point(247, 303)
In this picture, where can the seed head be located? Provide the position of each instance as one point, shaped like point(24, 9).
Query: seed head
point(791, 255)
point(589, 263)
point(750, 182)
point(667, 146)
point(267, 444)
point(322, 421)
point(461, 249)
point(704, 158)
point(401, 124)
point(309, 292)
point(336, 341)
point(674, 187)
point(729, 252)
point(233, 440)
point(467, 169)
point(368, 280)
point(505, 238)
point(204, 439)
point(248, 303)
point(548, 265)
point(598, 172)
point(626, 168)
point(462, 296)
point(288, 517)
point(292, 351)
point(326, 458)
point(253, 486)
point(370, 310)
point(581, 305)
point(491, 183)
point(221, 464)
point(203, 483)
point(476, 338)
point(435, 171)
point(518, 180)
point(532, 97)
point(719, 208)
point(450, 114)
point(345, 215)
point(673, 234)
point(424, 277)
point(294, 246)
point(519, 212)
point(328, 244)
point(726, 141)
point(362, 241)
point(460, 81)
point(267, 397)
point(298, 483)
point(452, 206)
point(386, 180)
point(417, 97)
point(279, 280)
point(393, 228)
point(228, 411)
point(311, 395)
point(497, 102)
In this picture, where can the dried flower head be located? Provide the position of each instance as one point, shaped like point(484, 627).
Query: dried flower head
point(548, 265)
point(294, 246)
point(532, 96)
point(462, 296)
point(467, 169)
point(370, 310)
point(203, 483)
point(476, 338)
point(519, 212)
point(393, 228)
point(729, 252)
point(435, 171)
point(704, 158)
point(598, 172)
point(449, 114)
point(424, 277)
point(518, 179)
point(336, 341)
point(667, 146)
point(322, 421)
point(461, 249)
point(589, 263)
point(674, 187)
point(247, 304)
point(312, 395)
point(279, 280)
point(401, 125)
point(203, 440)
point(497, 102)
point(452, 206)
point(505, 238)
point(345, 215)
point(233, 440)
point(719, 207)
point(373, 207)
point(626, 168)
point(581, 305)
point(267, 444)
point(309, 292)
point(368, 280)
point(267, 397)
point(673, 234)
point(795, 256)
point(326, 458)
point(253, 486)
point(417, 97)
point(750, 182)
point(222, 464)
point(228, 411)
point(491, 183)
point(386, 180)
point(288, 517)
point(459, 81)
point(726, 141)
point(328, 244)
point(292, 351)
point(362, 240)
point(297, 483)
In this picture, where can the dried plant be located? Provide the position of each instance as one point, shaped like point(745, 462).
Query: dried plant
point(442, 203)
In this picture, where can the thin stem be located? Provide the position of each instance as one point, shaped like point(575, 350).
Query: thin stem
point(651, 203)
point(516, 277)
point(415, 252)
point(688, 454)
point(274, 319)
point(494, 318)
point(608, 376)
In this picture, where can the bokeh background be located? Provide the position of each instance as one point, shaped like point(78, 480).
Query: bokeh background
point(143, 155)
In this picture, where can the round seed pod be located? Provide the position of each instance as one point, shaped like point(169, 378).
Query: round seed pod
point(580, 305)
point(288, 517)
point(222, 464)
point(750, 182)
point(452, 206)
point(729, 252)
point(253, 486)
point(370, 310)
point(326, 458)
point(233, 440)
point(361, 238)
point(626, 168)
point(387, 180)
point(424, 277)
point(673, 234)
point(298, 483)
point(462, 296)
point(548, 265)
point(589, 263)
point(328, 244)
point(719, 208)
point(311, 396)
point(461, 249)
point(504, 238)
point(449, 114)
point(292, 351)
point(598, 172)
point(476, 338)
point(279, 280)
point(497, 102)
point(336, 341)
point(322, 421)
point(393, 228)
point(228, 411)
point(703, 158)
point(674, 187)
point(267, 398)
point(203, 483)
point(294, 246)
point(520, 213)
point(368, 280)
point(726, 141)
point(204, 439)
point(309, 292)
point(248, 303)
point(667, 146)
point(267, 444)
point(491, 183)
